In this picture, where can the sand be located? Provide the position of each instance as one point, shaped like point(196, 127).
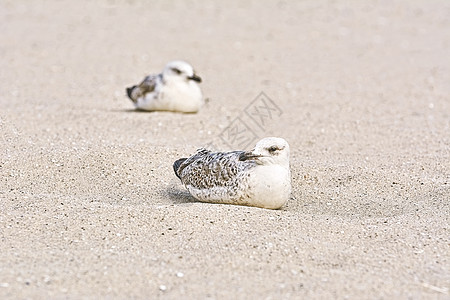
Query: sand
point(90, 206)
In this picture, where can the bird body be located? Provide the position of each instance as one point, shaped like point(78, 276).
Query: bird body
point(175, 89)
point(260, 177)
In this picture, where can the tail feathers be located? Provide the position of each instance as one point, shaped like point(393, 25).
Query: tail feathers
point(176, 166)
point(130, 93)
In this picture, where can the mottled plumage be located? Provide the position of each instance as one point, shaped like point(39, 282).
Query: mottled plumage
point(148, 85)
point(260, 177)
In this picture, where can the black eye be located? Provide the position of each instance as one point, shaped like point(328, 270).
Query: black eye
point(272, 149)
point(176, 71)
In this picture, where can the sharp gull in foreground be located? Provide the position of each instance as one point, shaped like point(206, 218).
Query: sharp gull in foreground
point(260, 177)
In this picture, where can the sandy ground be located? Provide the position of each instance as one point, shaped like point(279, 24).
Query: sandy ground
point(90, 206)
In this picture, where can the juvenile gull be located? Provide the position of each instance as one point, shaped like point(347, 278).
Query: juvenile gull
point(175, 89)
point(260, 177)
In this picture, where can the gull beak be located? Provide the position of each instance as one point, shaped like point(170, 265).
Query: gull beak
point(249, 156)
point(195, 78)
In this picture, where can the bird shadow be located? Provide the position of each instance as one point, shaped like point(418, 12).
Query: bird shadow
point(137, 110)
point(178, 196)
point(132, 110)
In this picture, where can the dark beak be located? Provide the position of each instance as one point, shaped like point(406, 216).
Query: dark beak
point(195, 78)
point(248, 156)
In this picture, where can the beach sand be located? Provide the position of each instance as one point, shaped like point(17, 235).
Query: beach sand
point(91, 208)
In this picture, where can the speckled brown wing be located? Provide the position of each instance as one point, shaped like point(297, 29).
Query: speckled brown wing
point(208, 169)
point(146, 86)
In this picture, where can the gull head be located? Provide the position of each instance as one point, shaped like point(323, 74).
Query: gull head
point(180, 70)
point(269, 151)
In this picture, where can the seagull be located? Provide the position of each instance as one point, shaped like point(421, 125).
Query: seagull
point(175, 89)
point(260, 177)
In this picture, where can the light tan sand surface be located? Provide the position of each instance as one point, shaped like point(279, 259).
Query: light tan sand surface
point(91, 208)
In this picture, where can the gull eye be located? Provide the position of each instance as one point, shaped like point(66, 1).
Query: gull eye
point(175, 70)
point(272, 149)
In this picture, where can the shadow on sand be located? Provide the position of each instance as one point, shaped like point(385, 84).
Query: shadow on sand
point(132, 110)
point(178, 196)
